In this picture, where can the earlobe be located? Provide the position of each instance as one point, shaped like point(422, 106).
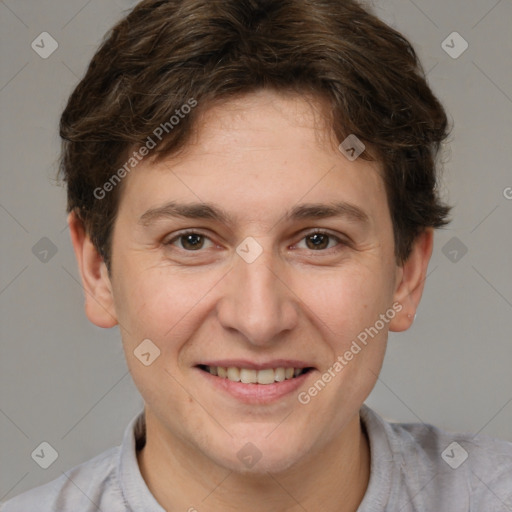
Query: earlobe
point(411, 281)
point(99, 299)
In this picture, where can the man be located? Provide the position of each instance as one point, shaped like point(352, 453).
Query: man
point(252, 199)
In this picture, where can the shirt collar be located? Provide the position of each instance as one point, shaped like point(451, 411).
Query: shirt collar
point(135, 492)
point(137, 496)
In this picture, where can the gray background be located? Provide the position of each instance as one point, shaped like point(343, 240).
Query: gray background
point(65, 381)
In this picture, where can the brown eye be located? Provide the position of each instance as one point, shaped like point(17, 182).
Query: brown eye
point(189, 241)
point(317, 241)
point(192, 241)
point(321, 241)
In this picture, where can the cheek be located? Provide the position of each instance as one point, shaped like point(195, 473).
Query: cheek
point(344, 301)
point(345, 307)
point(162, 305)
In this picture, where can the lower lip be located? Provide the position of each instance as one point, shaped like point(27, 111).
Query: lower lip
point(256, 393)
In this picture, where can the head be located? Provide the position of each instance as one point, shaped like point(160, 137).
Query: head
point(291, 250)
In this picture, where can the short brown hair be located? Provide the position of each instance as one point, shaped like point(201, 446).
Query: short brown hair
point(165, 52)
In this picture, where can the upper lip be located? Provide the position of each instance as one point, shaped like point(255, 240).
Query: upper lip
point(251, 365)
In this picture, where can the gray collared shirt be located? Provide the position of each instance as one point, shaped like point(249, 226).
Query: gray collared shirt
point(414, 468)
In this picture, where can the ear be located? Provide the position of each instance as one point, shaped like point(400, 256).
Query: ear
point(99, 300)
point(411, 280)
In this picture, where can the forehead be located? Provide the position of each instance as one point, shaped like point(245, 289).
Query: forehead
point(262, 154)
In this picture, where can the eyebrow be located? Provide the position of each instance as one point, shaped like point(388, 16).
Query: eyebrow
point(211, 212)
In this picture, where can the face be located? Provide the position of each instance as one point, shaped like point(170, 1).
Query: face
point(265, 278)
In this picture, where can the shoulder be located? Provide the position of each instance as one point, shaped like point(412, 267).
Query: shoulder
point(474, 466)
point(433, 467)
point(89, 486)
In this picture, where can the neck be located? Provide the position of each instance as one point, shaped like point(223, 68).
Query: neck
point(336, 476)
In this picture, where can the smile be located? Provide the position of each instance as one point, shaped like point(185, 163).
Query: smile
point(256, 385)
point(251, 376)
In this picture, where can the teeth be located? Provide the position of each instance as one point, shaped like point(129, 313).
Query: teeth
point(234, 374)
point(249, 376)
point(266, 376)
point(279, 374)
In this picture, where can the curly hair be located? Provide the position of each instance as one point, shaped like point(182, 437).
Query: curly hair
point(165, 52)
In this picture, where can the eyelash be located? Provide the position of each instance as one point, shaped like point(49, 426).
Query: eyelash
point(341, 243)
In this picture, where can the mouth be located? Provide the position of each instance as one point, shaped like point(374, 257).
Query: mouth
point(264, 377)
point(255, 384)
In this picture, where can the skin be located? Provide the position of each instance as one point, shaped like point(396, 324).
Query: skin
point(255, 157)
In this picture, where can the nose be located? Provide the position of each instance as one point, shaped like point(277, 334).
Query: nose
point(258, 301)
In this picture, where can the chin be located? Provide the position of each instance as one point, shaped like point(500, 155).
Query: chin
point(261, 455)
